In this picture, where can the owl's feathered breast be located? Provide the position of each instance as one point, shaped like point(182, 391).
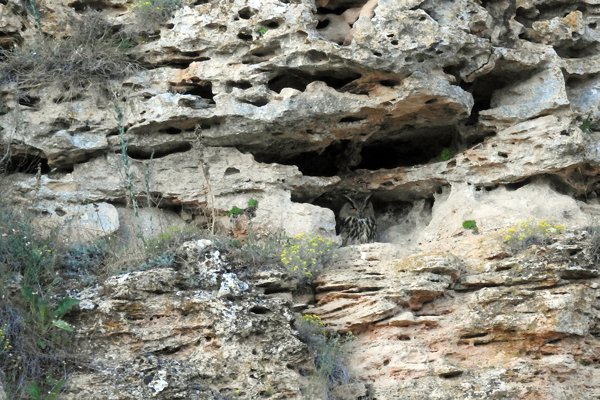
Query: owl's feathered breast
point(357, 222)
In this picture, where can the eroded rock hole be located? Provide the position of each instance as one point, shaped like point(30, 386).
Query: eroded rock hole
point(351, 119)
point(231, 171)
point(244, 36)
point(83, 5)
point(260, 310)
point(272, 23)
point(261, 54)
point(239, 84)
point(338, 7)
point(24, 163)
point(259, 102)
point(397, 218)
point(299, 80)
point(246, 13)
point(196, 87)
point(170, 130)
point(28, 101)
point(420, 149)
point(209, 124)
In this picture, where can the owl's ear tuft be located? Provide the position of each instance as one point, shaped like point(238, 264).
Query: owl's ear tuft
point(350, 200)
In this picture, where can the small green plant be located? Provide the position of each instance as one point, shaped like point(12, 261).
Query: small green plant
point(50, 391)
point(250, 209)
point(470, 224)
point(304, 255)
point(447, 154)
point(586, 126)
point(46, 317)
point(327, 349)
point(530, 232)
point(261, 30)
point(252, 203)
point(236, 211)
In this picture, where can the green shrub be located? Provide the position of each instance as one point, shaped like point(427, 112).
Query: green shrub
point(586, 126)
point(236, 211)
point(92, 54)
point(33, 332)
point(327, 349)
point(250, 209)
point(304, 255)
point(447, 154)
point(252, 203)
point(261, 30)
point(471, 225)
point(21, 250)
point(530, 232)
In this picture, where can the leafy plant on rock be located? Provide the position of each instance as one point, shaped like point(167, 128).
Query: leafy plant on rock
point(304, 255)
point(33, 329)
point(470, 224)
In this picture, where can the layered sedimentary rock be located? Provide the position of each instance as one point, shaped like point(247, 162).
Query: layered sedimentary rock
point(445, 111)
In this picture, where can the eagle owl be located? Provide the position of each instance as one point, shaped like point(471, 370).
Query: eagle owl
point(357, 221)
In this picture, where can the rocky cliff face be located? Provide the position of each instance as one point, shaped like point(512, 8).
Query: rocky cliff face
point(445, 111)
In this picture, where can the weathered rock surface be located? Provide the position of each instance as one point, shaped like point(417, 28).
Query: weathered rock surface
point(445, 111)
point(437, 326)
point(191, 331)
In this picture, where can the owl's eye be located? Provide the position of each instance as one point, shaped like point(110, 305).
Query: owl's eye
point(353, 209)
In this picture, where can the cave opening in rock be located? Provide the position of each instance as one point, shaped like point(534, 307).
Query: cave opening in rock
point(298, 80)
point(416, 147)
point(24, 163)
point(196, 87)
point(406, 152)
point(398, 216)
point(484, 88)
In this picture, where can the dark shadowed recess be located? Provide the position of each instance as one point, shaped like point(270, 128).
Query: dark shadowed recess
point(415, 148)
point(23, 163)
point(339, 6)
point(298, 80)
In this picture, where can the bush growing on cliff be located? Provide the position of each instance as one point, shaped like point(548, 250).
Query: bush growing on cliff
point(327, 349)
point(93, 54)
point(305, 255)
point(530, 232)
point(33, 331)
